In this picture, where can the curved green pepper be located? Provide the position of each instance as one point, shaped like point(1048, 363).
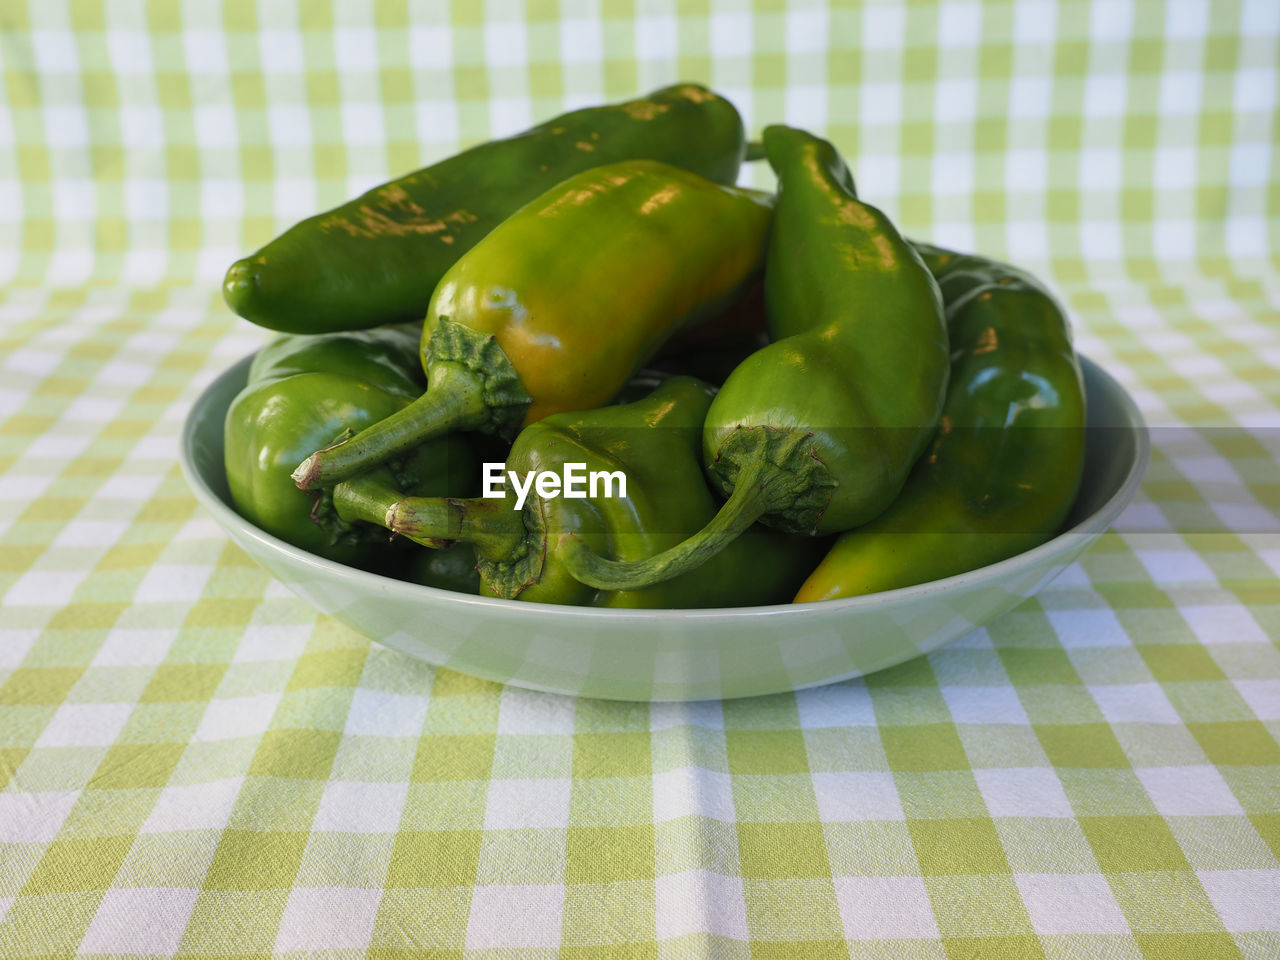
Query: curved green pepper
point(654, 442)
point(817, 432)
point(559, 305)
point(1004, 468)
point(305, 391)
point(377, 258)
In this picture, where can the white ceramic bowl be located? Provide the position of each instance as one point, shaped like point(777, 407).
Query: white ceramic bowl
point(677, 654)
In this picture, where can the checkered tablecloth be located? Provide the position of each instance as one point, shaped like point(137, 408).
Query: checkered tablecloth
point(194, 763)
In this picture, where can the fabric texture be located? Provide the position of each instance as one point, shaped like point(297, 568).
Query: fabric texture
point(195, 763)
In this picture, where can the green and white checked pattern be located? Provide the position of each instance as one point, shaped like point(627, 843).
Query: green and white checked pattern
point(149, 142)
point(194, 763)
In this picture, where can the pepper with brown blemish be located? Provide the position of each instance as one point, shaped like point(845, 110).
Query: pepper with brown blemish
point(1003, 470)
point(817, 432)
point(377, 258)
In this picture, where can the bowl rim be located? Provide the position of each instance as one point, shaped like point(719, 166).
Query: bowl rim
point(1091, 525)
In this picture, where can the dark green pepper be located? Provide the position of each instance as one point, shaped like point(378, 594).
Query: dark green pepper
point(654, 442)
point(1004, 468)
point(817, 432)
point(386, 357)
point(305, 391)
point(377, 258)
point(557, 307)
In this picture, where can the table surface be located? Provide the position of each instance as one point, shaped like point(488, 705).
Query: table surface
point(195, 763)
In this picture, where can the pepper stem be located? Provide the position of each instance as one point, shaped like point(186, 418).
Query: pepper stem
point(492, 526)
point(454, 401)
point(754, 152)
point(367, 497)
point(756, 492)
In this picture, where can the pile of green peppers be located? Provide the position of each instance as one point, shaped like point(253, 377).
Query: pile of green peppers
point(802, 403)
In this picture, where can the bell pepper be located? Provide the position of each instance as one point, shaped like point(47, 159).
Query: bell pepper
point(559, 305)
point(817, 432)
point(1004, 467)
point(377, 258)
point(305, 391)
point(654, 442)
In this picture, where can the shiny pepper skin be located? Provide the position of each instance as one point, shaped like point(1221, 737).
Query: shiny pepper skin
point(1003, 469)
point(557, 307)
point(817, 431)
point(591, 279)
point(654, 441)
point(307, 390)
point(377, 258)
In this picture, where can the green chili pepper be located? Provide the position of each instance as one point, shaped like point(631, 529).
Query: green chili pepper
point(1003, 470)
point(817, 432)
point(377, 258)
point(305, 391)
point(654, 443)
point(386, 357)
point(559, 305)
